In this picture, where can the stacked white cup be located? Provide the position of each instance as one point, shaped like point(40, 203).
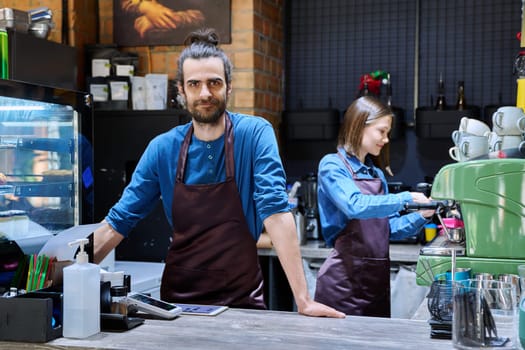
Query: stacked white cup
point(508, 129)
point(470, 140)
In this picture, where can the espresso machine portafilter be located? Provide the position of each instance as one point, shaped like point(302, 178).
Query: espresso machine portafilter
point(449, 216)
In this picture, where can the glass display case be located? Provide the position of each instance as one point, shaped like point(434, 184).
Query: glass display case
point(46, 157)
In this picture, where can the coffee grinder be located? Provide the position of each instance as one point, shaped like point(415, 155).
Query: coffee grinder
point(489, 195)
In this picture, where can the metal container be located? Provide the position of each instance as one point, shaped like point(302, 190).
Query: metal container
point(456, 234)
point(40, 29)
point(300, 226)
point(14, 19)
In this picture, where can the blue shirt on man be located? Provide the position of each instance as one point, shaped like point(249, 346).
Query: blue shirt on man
point(259, 174)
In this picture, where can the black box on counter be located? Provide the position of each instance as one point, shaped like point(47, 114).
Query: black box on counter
point(432, 123)
point(33, 317)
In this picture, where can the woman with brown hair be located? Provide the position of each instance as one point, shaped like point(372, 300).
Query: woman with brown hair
point(358, 215)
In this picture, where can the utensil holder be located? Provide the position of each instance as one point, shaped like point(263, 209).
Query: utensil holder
point(484, 315)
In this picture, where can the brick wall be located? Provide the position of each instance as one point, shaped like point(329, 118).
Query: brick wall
point(256, 52)
point(256, 49)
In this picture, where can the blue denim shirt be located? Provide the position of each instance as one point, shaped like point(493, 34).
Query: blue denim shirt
point(259, 173)
point(340, 200)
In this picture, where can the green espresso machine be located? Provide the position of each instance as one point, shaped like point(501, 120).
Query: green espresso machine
point(489, 195)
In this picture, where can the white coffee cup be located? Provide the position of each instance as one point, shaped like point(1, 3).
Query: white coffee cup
point(521, 147)
point(470, 146)
point(457, 135)
point(473, 126)
point(521, 124)
point(506, 142)
point(493, 139)
point(508, 120)
point(456, 154)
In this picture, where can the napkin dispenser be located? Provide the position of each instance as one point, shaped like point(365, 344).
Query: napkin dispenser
point(33, 317)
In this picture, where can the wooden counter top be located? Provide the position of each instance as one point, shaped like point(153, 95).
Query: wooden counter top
point(254, 329)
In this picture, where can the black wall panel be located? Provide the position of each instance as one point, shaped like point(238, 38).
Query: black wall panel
point(470, 40)
point(331, 43)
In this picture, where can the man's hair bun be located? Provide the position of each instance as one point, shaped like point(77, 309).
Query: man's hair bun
point(206, 36)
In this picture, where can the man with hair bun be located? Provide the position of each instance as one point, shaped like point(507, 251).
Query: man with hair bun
point(221, 180)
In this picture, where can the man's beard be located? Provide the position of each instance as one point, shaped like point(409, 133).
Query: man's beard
point(211, 118)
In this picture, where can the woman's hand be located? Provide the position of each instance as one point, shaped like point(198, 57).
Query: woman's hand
point(419, 197)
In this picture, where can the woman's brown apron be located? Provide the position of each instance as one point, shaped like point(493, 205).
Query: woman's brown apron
point(213, 256)
point(355, 278)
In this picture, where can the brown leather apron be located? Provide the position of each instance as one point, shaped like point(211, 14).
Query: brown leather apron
point(213, 256)
point(355, 278)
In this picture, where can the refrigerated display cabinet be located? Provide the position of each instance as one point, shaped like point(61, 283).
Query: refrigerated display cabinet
point(46, 157)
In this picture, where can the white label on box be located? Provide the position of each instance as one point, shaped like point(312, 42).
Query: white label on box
point(119, 90)
point(125, 70)
point(100, 67)
point(100, 92)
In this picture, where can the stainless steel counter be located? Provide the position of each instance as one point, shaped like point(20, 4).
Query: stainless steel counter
point(315, 250)
point(252, 329)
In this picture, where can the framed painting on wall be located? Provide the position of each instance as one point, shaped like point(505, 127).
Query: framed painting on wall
point(168, 22)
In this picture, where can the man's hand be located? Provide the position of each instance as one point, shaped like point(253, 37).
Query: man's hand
point(313, 308)
point(281, 228)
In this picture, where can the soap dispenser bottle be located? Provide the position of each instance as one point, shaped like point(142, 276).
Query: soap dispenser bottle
point(81, 296)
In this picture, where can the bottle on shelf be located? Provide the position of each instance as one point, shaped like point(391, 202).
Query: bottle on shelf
point(441, 103)
point(461, 103)
point(4, 55)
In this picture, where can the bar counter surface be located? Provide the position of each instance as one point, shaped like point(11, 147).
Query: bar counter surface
point(256, 329)
point(399, 252)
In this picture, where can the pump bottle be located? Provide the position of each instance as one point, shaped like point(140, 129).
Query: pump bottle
point(81, 296)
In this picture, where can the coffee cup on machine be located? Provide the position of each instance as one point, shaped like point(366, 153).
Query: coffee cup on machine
point(508, 120)
point(473, 126)
point(455, 154)
point(493, 139)
point(521, 147)
point(470, 146)
point(506, 142)
point(521, 124)
point(457, 136)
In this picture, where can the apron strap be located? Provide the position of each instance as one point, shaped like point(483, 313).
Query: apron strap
point(228, 149)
